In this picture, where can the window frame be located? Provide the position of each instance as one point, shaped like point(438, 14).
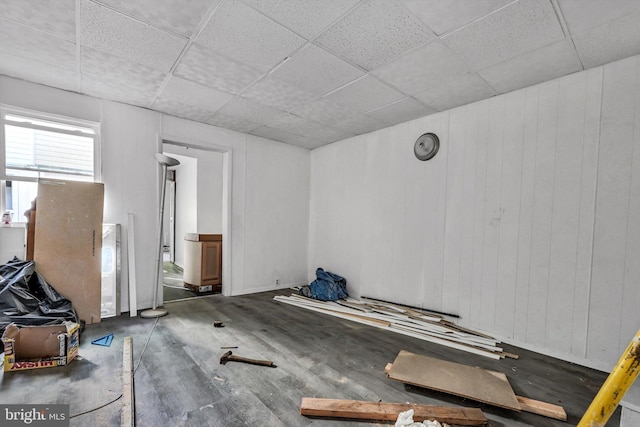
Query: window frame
point(6, 110)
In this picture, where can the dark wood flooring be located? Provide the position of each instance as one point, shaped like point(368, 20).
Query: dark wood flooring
point(180, 381)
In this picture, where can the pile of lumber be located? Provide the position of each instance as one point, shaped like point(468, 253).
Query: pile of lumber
point(403, 320)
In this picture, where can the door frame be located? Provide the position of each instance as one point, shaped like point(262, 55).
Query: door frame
point(227, 162)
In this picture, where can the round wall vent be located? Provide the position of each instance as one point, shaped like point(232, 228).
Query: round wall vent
point(426, 146)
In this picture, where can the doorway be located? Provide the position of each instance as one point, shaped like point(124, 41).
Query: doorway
point(196, 199)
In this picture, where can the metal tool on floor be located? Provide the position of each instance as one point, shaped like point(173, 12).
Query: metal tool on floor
point(229, 357)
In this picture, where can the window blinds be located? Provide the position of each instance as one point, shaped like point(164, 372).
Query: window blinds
point(37, 148)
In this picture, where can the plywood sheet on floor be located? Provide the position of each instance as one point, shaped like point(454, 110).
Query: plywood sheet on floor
point(461, 380)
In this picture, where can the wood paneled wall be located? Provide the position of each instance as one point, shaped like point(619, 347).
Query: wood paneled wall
point(525, 224)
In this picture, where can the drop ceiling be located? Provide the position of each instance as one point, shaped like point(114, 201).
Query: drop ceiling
point(308, 72)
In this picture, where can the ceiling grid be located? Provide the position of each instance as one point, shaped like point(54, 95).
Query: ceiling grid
point(305, 72)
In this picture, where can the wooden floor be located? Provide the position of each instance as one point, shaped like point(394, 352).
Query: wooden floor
point(180, 382)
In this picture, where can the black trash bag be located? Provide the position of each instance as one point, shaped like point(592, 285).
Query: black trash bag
point(26, 299)
point(327, 287)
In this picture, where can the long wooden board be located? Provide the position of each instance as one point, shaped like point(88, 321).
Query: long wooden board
point(542, 408)
point(453, 378)
point(128, 410)
point(382, 411)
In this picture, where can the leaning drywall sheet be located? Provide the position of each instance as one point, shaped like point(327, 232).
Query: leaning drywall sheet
point(449, 377)
point(68, 242)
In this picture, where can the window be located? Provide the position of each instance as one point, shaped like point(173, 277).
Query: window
point(36, 145)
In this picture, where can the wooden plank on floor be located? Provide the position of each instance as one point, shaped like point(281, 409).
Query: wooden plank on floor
point(382, 411)
point(542, 408)
point(128, 399)
point(453, 378)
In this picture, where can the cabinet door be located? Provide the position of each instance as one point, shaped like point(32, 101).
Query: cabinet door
point(212, 262)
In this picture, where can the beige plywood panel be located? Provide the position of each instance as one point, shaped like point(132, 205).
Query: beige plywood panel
point(449, 377)
point(68, 242)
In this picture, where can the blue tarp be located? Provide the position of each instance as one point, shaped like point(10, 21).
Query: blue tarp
point(327, 287)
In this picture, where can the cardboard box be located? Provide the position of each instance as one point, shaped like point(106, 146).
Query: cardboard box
point(34, 347)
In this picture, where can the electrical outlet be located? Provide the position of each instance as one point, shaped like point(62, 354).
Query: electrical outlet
point(277, 282)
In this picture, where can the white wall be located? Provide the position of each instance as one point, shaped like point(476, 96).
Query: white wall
point(525, 223)
point(277, 215)
point(209, 192)
point(130, 138)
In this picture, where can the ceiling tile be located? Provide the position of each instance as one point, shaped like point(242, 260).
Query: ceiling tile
point(111, 32)
point(190, 100)
point(25, 42)
point(290, 123)
point(57, 17)
point(185, 91)
point(446, 15)
point(115, 78)
point(239, 32)
point(329, 134)
point(540, 65)
point(214, 70)
point(179, 109)
point(375, 33)
point(316, 70)
point(288, 137)
point(610, 41)
point(37, 72)
point(581, 15)
point(278, 94)
point(360, 124)
point(511, 31)
point(465, 90)
point(232, 122)
point(99, 88)
point(324, 111)
point(180, 17)
point(365, 94)
point(401, 111)
point(249, 110)
point(422, 67)
point(306, 18)
point(301, 126)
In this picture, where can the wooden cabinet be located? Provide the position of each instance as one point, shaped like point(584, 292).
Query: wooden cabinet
point(203, 262)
